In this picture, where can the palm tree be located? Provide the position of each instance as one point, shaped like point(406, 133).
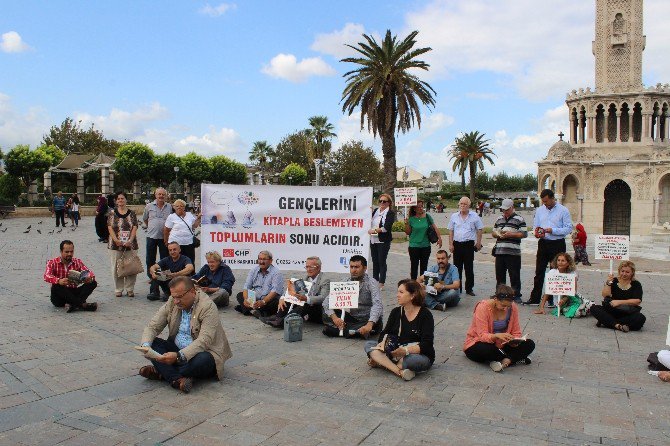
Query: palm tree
point(459, 163)
point(387, 93)
point(261, 153)
point(468, 152)
point(322, 132)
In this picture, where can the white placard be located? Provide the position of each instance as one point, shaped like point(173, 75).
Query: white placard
point(560, 284)
point(612, 247)
point(343, 295)
point(292, 299)
point(292, 222)
point(405, 196)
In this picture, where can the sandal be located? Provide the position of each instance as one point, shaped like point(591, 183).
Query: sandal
point(622, 327)
point(372, 363)
point(118, 294)
point(70, 308)
point(89, 306)
point(130, 294)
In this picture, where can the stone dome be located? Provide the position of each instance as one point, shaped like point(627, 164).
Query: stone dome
point(559, 149)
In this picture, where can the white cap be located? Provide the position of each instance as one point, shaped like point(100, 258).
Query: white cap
point(506, 204)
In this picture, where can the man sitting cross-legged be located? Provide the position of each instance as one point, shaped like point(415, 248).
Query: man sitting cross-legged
point(196, 345)
point(64, 290)
point(174, 265)
point(364, 321)
point(447, 284)
point(312, 310)
point(264, 286)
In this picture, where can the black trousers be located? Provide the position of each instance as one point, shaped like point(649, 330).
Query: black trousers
point(202, 365)
point(609, 317)
point(379, 253)
point(464, 257)
point(268, 310)
point(61, 295)
point(485, 352)
point(418, 258)
point(546, 251)
point(353, 324)
point(60, 217)
point(509, 264)
point(189, 251)
point(315, 312)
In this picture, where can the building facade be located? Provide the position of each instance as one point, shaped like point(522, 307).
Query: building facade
point(613, 172)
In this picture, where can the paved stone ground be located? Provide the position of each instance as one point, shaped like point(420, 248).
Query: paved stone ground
point(71, 379)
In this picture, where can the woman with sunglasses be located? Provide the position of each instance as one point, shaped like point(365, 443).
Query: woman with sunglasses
point(494, 335)
point(381, 234)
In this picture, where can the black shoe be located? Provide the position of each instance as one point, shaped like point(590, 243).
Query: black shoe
point(277, 322)
point(518, 301)
point(470, 293)
point(440, 307)
point(331, 332)
point(152, 296)
point(243, 310)
point(165, 298)
point(531, 303)
point(524, 361)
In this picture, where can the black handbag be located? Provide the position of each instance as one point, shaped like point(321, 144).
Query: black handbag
point(623, 309)
point(655, 364)
point(430, 232)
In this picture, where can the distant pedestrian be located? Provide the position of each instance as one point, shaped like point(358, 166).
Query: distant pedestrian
point(59, 208)
point(73, 209)
point(579, 243)
point(101, 219)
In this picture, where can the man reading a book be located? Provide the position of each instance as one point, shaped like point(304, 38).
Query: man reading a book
point(196, 345)
point(71, 281)
point(262, 289)
point(442, 283)
point(174, 265)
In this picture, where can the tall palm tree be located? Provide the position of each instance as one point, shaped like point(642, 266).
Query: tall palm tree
point(261, 153)
point(322, 131)
point(469, 152)
point(388, 94)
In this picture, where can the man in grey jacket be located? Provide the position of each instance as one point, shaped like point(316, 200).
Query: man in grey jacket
point(364, 321)
point(312, 309)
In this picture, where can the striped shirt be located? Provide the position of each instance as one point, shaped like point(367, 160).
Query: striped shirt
point(509, 246)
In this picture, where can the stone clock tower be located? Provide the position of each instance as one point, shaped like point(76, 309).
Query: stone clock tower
point(613, 172)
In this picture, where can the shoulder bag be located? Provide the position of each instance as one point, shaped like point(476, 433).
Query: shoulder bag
point(430, 232)
point(129, 264)
point(196, 240)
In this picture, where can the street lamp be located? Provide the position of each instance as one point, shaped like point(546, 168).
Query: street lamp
point(290, 180)
point(176, 179)
point(317, 166)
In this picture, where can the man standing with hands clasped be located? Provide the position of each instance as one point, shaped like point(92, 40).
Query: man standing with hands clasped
point(154, 217)
point(465, 238)
point(508, 231)
point(552, 223)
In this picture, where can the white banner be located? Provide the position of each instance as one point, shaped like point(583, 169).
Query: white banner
point(405, 196)
point(343, 295)
point(292, 222)
point(612, 247)
point(560, 284)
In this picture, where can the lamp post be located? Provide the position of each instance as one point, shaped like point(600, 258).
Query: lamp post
point(290, 180)
point(176, 179)
point(317, 166)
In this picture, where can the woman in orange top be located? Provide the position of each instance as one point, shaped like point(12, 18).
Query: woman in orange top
point(494, 335)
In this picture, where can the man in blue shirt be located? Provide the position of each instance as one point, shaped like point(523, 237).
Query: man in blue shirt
point(444, 291)
point(174, 265)
point(264, 286)
point(552, 223)
point(465, 238)
point(218, 277)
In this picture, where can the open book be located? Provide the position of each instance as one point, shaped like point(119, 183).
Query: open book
point(521, 339)
point(148, 352)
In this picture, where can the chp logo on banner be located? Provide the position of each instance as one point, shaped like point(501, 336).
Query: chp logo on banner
point(292, 222)
point(405, 196)
point(612, 247)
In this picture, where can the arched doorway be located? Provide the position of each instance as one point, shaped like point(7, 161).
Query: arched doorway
point(570, 187)
point(664, 205)
point(616, 215)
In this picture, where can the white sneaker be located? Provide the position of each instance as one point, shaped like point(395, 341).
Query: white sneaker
point(496, 366)
point(407, 374)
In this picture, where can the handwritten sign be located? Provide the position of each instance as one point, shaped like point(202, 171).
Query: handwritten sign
point(613, 247)
point(292, 299)
point(343, 295)
point(405, 196)
point(560, 284)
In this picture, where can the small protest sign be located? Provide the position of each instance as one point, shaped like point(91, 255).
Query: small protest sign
point(294, 300)
point(343, 295)
point(405, 196)
point(612, 247)
point(560, 284)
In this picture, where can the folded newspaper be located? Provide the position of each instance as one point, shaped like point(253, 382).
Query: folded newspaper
point(148, 352)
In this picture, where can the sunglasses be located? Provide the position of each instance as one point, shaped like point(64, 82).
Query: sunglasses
point(384, 201)
point(504, 296)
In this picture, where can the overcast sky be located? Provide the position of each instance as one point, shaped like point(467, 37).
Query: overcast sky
point(215, 77)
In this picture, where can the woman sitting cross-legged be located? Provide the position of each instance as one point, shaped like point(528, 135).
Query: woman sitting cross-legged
point(494, 335)
point(406, 343)
point(622, 296)
point(569, 306)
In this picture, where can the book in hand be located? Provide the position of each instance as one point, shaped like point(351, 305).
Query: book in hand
point(518, 340)
point(251, 297)
point(429, 280)
point(202, 282)
point(148, 352)
point(78, 277)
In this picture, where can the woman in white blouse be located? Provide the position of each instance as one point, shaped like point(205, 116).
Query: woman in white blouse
point(380, 237)
point(180, 227)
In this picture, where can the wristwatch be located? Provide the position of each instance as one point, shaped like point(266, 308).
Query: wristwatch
point(608, 283)
point(181, 359)
point(406, 351)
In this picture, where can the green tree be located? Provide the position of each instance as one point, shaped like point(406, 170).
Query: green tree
point(55, 154)
point(261, 154)
point(163, 172)
point(26, 164)
point(134, 161)
point(195, 168)
point(70, 137)
point(321, 131)
point(469, 151)
point(353, 165)
point(10, 188)
point(388, 94)
point(225, 170)
point(293, 148)
point(293, 175)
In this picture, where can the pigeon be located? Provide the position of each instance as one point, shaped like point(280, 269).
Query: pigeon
point(4, 230)
point(39, 222)
point(0, 224)
point(59, 231)
point(29, 226)
point(73, 229)
point(39, 232)
point(51, 232)
point(25, 232)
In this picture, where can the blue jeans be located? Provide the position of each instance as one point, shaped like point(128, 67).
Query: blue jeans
point(450, 298)
point(416, 362)
point(152, 244)
point(201, 365)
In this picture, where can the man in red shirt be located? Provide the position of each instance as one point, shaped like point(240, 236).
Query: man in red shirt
point(62, 273)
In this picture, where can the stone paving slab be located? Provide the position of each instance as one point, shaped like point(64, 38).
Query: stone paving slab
point(72, 378)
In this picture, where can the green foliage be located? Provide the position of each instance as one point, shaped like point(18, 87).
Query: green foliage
point(70, 137)
point(225, 170)
point(293, 175)
point(261, 154)
point(353, 165)
point(55, 154)
point(195, 168)
point(504, 182)
point(293, 149)
point(27, 165)
point(387, 91)
point(398, 226)
point(321, 131)
point(10, 188)
point(134, 161)
point(163, 169)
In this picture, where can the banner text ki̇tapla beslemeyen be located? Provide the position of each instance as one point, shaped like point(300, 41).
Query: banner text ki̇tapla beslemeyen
point(292, 222)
